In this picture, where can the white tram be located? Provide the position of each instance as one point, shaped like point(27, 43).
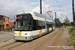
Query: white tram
point(32, 25)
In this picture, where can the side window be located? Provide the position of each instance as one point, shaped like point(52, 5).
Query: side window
point(43, 24)
point(50, 25)
point(39, 24)
point(34, 25)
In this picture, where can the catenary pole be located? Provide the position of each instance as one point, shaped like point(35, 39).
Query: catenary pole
point(73, 13)
point(40, 6)
point(55, 20)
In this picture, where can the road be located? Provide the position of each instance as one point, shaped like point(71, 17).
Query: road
point(56, 38)
point(5, 37)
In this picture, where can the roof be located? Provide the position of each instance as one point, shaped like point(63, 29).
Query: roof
point(11, 23)
point(3, 16)
point(37, 16)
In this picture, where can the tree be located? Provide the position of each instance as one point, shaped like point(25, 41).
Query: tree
point(58, 23)
point(66, 21)
point(71, 23)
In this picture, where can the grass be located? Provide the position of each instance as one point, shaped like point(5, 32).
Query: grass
point(67, 27)
point(72, 38)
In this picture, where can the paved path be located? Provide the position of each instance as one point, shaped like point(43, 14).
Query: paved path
point(4, 37)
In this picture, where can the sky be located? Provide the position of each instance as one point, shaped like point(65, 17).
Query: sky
point(11, 8)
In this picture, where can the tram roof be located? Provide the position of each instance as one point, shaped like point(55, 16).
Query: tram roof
point(37, 16)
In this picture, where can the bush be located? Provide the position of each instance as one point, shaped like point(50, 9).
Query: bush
point(63, 26)
point(73, 28)
point(7, 29)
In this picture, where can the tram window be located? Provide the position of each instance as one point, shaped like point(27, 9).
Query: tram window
point(21, 23)
point(24, 17)
point(34, 25)
point(29, 23)
point(29, 16)
point(39, 24)
point(43, 24)
point(18, 23)
point(50, 25)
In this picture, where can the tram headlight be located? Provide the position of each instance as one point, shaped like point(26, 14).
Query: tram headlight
point(26, 33)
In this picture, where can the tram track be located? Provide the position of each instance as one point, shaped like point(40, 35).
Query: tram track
point(12, 45)
point(56, 40)
point(6, 45)
point(50, 38)
point(15, 46)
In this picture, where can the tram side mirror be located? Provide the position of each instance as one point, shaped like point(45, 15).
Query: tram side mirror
point(14, 22)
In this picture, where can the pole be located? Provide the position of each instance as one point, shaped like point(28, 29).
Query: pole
point(40, 6)
point(73, 13)
point(55, 20)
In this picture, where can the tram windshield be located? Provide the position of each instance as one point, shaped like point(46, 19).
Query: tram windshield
point(23, 22)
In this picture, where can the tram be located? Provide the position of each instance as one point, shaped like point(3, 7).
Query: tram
point(32, 25)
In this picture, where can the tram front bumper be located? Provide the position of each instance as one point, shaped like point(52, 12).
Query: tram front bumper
point(22, 38)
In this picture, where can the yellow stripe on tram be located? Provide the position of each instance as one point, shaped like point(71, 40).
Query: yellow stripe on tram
point(20, 33)
point(40, 32)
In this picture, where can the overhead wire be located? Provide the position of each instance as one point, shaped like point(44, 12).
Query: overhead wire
point(64, 2)
point(38, 4)
point(58, 4)
point(30, 4)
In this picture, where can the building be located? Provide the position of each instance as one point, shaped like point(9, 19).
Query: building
point(4, 22)
point(11, 24)
point(1, 23)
